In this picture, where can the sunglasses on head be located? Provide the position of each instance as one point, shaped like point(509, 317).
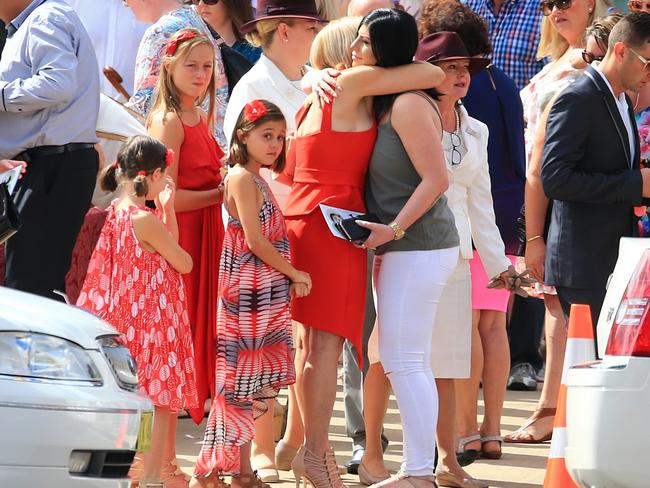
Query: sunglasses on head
point(547, 5)
point(589, 57)
point(636, 6)
point(207, 2)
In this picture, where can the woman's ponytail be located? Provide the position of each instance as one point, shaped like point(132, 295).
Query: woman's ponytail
point(108, 179)
point(140, 185)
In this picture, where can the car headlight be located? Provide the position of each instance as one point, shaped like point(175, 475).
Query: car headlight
point(122, 363)
point(45, 357)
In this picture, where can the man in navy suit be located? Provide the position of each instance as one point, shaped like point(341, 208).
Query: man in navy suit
point(590, 168)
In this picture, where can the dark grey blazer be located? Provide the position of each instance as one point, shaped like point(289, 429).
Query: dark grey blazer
point(586, 171)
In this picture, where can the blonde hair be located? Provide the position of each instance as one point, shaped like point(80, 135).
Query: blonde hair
point(331, 47)
point(264, 31)
point(167, 96)
point(328, 9)
point(552, 44)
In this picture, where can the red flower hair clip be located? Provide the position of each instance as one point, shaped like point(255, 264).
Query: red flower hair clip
point(254, 111)
point(169, 157)
point(142, 172)
point(173, 44)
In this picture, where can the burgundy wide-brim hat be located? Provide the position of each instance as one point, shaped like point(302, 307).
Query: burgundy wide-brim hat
point(283, 9)
point(447, 46)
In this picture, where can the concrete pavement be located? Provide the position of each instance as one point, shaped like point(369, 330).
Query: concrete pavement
point(522, 466)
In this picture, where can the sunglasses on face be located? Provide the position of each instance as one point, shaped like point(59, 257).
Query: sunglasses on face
point(646, 62)
point(207, 2)
point(590, 57)
point(636, 6)
point(547, 5)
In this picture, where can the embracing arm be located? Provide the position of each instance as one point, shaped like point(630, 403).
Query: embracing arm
point(562, 177)
point(366, 81)
point(170, 133)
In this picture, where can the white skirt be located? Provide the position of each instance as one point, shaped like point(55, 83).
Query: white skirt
point(451, 352)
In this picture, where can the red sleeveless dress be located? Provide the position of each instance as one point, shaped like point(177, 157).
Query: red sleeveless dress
point(143, 297)
point(201, 234)
point(330, 168)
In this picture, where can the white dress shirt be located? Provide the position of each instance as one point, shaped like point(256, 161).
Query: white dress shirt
point(266, 81)
point(115, 34)
point(623, 108)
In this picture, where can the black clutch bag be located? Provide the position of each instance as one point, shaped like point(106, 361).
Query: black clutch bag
point(9, 220)
point(353, 231)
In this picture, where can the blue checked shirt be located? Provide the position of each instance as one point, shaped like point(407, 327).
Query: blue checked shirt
point(514, 34)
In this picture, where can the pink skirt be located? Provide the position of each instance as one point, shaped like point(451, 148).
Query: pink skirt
point(484, 298)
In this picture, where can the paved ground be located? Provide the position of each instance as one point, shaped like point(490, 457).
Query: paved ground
point(520, 467)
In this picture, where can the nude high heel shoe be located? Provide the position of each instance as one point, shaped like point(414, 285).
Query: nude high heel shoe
point(319, 472)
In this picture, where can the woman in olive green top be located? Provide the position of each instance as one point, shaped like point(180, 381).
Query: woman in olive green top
point(416, 253)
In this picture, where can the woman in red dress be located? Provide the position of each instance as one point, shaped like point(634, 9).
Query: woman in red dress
point(330, 157)
point(176, 119)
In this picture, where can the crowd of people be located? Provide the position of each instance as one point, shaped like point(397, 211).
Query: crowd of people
point(468, 141)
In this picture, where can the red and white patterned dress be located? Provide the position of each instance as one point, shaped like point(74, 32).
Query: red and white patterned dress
point(143, 297)
point(254, 342)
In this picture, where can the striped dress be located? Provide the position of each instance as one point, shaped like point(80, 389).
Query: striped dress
point(254, 342)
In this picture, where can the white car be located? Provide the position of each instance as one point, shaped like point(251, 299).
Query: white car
point(70, 413)
point(608, 400)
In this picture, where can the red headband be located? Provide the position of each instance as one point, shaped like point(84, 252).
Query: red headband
point(254, 111)
point(173, 44)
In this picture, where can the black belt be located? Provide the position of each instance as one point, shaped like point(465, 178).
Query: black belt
point(44, 151)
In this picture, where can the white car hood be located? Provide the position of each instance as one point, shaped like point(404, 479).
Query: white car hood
point(32, 313)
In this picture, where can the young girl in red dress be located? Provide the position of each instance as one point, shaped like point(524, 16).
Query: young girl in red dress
point(186, 80)
point(134, 283)
point(254, 342)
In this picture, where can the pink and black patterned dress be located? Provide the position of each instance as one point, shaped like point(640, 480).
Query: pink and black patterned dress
point(143, 297)
point(254, 342)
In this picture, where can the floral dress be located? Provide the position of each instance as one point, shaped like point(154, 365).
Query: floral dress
point(643, 125)
point(150, 55)
point(254, 342)
point(142, 296)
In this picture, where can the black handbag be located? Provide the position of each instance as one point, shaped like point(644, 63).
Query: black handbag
point(9, 220)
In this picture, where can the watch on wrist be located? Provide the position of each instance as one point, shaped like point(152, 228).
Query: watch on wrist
point(397, 230)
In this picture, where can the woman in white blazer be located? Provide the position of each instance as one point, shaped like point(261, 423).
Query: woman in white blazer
point(467, 345)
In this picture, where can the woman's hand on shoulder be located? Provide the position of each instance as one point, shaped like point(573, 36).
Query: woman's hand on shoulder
point(323, 83)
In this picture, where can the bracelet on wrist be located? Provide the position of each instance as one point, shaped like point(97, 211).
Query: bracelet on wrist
point(534, 238)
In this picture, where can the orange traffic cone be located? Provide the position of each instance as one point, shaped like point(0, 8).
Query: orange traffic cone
point(579, 349)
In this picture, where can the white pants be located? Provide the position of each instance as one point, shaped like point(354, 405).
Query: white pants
point(408, 286)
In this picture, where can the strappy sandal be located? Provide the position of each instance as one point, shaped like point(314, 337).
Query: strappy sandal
point(494, 454)
point(212, 481)
point(248, 481)
point(521, 436)
point(464, 456)
point(403, 480)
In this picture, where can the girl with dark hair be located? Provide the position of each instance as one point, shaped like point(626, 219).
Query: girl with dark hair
point(254, 344)
point(327, 164)
point(134, 283)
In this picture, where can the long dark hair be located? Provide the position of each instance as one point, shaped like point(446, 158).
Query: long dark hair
point(394, 40)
